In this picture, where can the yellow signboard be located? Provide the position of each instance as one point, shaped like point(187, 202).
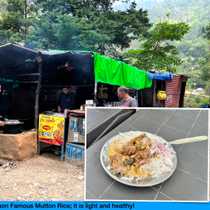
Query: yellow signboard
point(51, 129)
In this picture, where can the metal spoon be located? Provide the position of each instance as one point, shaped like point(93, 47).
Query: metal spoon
point(189, 140)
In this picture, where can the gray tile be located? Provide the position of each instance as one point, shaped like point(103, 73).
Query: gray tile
point(170, 134)
point(183, 119)
point(139, 114)
point(138, 122)
point(124, 127)
point(119, 191)
point(162, 197)
point(156, 115)
point(182, 186)
point(203, 115)
point(201, 125)
point(96, 179)
point(192, 163)
point(199, 130)
point(157, 187)
point(187, 114)
point(144, 125)
point(196, 148)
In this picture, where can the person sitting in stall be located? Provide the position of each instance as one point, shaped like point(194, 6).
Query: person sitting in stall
point(125, 99)
point(66, 100)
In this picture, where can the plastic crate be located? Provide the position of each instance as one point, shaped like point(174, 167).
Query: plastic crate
point(74, 151)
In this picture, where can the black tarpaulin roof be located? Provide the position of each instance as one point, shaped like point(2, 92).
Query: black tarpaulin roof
point(14, 56)
point(15, 60)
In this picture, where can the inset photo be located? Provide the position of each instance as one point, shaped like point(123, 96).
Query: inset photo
point(147, 154)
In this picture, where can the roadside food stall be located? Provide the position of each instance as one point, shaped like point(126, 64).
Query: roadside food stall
point(92, 77)
point(31, 80)
point(38, 77)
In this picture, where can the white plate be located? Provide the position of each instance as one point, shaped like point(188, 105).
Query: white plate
point(134, 182)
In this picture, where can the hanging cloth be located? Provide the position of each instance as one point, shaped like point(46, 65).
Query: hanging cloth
point(110, 71)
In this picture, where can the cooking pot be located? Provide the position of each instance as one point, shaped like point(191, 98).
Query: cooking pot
point(13, 127)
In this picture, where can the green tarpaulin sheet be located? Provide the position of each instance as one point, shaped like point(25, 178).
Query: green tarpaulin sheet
point(113, 72)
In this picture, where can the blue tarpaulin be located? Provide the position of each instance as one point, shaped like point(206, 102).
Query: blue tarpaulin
point(160, 75)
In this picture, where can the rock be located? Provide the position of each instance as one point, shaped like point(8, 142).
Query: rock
point(12, 164)
point(18, 146)
point(80, 177)
point(9, 165)
point(6, 165)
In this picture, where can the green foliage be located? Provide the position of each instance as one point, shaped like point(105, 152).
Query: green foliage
point(11, 22)
point(194, 47)
point(193, 101)
point(66, 32)
point(15, 19)
point(205, 63)
point(71, 24)
point(86, 25)
point(157, 51)
point(207, 32)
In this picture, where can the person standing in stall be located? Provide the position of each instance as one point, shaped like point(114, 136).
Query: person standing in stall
point(125, 99)
point(66, 100)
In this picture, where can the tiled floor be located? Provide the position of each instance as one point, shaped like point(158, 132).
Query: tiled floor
point(189, 182)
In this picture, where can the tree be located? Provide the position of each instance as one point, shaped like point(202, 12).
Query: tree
point(205, 64)
point(14, 20)
point(67, 33)
point(207, 32)
point(157, 51)
point(71, 24)
point(86, 25)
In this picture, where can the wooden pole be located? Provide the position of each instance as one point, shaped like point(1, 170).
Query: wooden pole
point(95, 92)
point(154, 93)
point(38, 89)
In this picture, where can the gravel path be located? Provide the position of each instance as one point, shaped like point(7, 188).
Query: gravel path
point(42, 178)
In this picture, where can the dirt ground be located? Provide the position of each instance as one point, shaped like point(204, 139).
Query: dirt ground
point(43, 177)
